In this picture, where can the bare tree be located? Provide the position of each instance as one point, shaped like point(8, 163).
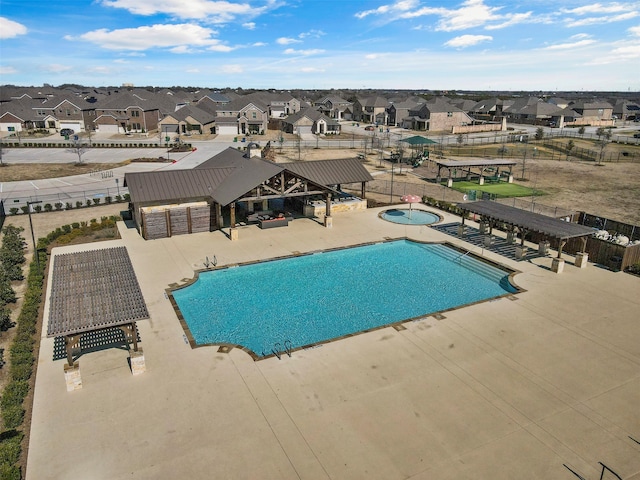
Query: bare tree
point(79, 149)
point(604, 137)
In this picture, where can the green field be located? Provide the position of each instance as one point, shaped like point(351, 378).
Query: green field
point(502, 189)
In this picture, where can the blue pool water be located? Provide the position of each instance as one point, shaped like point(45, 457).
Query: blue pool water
point(314, 298)
point(408, 216)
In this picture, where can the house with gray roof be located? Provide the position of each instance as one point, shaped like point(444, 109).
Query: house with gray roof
point(127, 112)
point(336, 107)
point(310, 121)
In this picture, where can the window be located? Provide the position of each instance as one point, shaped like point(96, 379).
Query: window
point(254, 115)
point(135, 113)
point(68, 112)
point(41, 113)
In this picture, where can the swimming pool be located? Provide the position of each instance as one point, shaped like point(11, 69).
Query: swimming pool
point(311, 299)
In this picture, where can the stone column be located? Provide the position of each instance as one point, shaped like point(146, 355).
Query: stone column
point(543, 247)
point(233, 234)
point(481, 180)
point(328, 221)
point(483, 227)
point(449, 182)
point(461, 232)
point(511, 237)
point(487, 240)
point(557, 265)
point(510, 178)
point(72, 376)
point(581, 259)
point(521, 252)
point(137, 362)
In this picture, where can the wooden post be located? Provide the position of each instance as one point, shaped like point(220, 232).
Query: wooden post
point(233, 215)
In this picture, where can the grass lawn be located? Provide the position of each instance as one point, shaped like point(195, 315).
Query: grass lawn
point(502, 189)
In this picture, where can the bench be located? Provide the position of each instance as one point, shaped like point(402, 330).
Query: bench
point(274, 222)
point(256, 216)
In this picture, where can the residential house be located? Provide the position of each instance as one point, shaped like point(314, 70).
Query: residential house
point(188, 120)
point(371, 110)
point(242, 116)
point(312, 121)
point(398, 110)
point(127, 112)
point(436, 115)
point(336, 107)
point(626, 111)
point(593, 112)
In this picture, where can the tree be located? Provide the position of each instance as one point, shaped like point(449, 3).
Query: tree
point(539, 133)
point(581, 130)
point(460, 140)
point(79, 149)
point(570, 146)
point(604, 137)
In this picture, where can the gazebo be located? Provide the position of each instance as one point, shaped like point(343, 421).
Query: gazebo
point(493, 213)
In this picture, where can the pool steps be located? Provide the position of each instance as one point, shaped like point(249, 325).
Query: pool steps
point(492, 273)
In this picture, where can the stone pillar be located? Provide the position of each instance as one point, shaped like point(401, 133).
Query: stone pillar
point(449, 182)
point(511, 237)
point(557, 265)
point(487, 240)
point(521, 252)
point(483, 227)
point(543, 247)
point(250, 205)
point(481, 180)
point(461, 232)
point(233, 234)
point(328, 221)
point(265, 205)
point(137, 362)
point(581, 259)
point(510, 178)
point(72, 376)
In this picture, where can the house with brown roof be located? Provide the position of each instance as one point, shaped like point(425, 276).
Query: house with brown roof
point(127, 112)
point(230, 188)
point(336, 107)
point(436, 115)
point(371, 110)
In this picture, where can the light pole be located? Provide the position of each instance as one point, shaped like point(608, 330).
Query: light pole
point(33, 237)
point(118, 186)
point(166, 139)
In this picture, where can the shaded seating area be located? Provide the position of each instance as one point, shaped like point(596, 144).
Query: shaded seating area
point(94, 294)
point(516, 221)
point(482, 169)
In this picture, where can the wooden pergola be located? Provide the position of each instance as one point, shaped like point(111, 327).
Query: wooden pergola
point(524, 221)
point(92, 291)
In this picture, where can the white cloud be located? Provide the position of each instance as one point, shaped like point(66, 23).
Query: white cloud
point(472, 13)
point(464, 41)
point(570, 22)
point(249, 25)
point(597, 8)
point(57, 68)
point(212, 11)
point(312, 51)
point(634, 31)
point(312, 70)
point(287, 41)
point(312, 34)
point(259, 44)
point(390, 10)
point(7, 71)
point(10, 29)
point(180, 38)
point(232, 69)
point(568, 45)
point(193, 70)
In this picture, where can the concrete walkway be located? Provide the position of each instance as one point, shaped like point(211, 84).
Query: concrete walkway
point(506, 389)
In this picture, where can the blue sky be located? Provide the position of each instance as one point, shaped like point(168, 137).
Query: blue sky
point(406, 44)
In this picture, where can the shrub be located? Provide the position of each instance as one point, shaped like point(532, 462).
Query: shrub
point(75, 225)
point(14, 210)
point(68, 206)
point(25, 209)
point(38, 208)
point(118, 198)
point(48, 207)
point(66, 228)
point(88, 202)
point(58, 205)
point(96, 201)
point(79, 204)
point(10, 449)
point(127, 197)
point(14, 394)
point(108, 199)
point(5, 319)
point(12, 416)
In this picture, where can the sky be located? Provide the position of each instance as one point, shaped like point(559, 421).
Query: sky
point(310, 44)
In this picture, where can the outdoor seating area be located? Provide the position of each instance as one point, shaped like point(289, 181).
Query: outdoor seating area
point(272, 222)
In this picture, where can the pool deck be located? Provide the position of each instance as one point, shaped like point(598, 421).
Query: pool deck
point(505, 389)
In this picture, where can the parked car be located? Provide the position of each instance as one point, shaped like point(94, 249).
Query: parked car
point(369, 128)
point(66, 131)
point(636, 135)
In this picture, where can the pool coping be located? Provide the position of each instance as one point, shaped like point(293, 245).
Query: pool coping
point(440, 217)
point(224, 347)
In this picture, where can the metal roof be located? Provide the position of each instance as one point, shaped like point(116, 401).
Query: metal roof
point(230, 175)
point(93, 290)
point(474, 163)
point(418, 140)
point(175, 185)
point(330, 172)
point(530, 221)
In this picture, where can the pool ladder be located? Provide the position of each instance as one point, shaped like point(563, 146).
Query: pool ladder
point(461, 256)
point(277, 349)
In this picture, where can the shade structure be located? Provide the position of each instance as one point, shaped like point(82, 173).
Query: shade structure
point(410, 199)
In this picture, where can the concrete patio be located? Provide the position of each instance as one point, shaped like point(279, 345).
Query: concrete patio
point(505, 389)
